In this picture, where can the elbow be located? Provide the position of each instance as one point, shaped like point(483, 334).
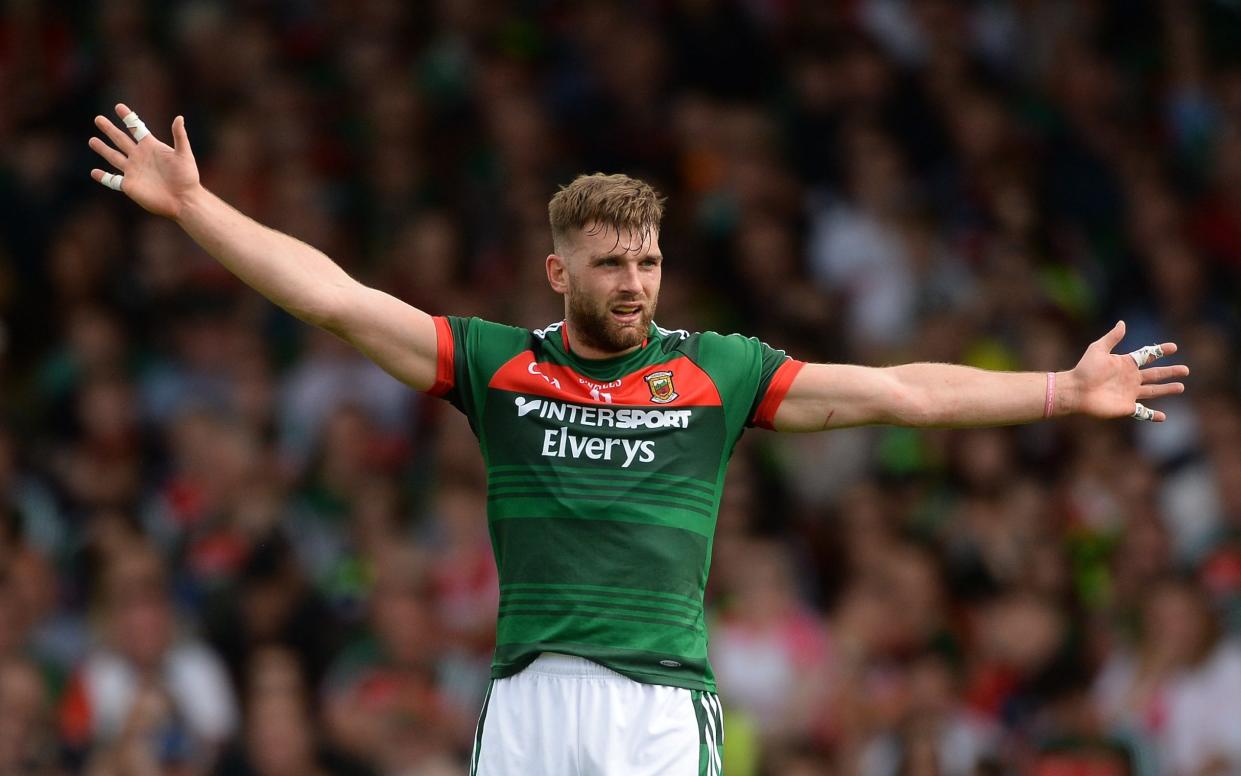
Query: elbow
point(919, 414)
point(911, 406)
point(319, 317)
point(328, 310)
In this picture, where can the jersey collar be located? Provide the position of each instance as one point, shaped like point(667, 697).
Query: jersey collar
point(564, 337)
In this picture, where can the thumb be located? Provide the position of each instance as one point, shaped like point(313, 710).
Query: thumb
point(1110, 340)
point(180, 139)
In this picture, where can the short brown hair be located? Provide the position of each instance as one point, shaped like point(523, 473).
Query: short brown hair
point(615, 201)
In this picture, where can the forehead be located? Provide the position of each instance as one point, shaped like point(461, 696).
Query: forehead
point(597, 239)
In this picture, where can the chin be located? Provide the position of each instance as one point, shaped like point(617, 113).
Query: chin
point(627, 336)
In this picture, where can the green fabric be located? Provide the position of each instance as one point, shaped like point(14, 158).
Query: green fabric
point(602, 514)
point(700, 715)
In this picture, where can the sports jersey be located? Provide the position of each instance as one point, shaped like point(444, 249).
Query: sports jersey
point(604, 479)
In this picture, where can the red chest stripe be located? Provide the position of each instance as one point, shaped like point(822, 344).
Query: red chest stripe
point(676, 383)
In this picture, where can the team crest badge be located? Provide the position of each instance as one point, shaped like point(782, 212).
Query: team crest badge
point(662, 389)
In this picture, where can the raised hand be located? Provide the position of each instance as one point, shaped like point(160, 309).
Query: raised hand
point(156, 176)
point(1108, 385)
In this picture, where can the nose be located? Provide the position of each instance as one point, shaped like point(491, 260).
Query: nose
point(631, 280)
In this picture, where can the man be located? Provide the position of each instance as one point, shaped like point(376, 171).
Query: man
point(606, 439)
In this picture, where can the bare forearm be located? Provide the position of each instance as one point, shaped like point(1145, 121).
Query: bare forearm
point(292, 274)
point(1102, 385)
point(949, 395)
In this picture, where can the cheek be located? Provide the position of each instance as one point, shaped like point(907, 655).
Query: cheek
point(591, 287)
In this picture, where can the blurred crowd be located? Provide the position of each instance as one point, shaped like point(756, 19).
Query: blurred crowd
point(230, 545)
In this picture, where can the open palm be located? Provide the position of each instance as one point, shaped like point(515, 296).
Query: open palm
point(1109, 385)
point(157, 176)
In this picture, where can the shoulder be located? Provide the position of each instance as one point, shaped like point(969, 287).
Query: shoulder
point(732, 349)
point(673, 336)
point(484, 327)
point(478, 335)
point(687, 341)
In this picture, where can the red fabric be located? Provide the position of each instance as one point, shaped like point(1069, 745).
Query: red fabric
point(781, 381)
point(691, 386)
point(445, 353)
point(74, 713)
point(1221, 572)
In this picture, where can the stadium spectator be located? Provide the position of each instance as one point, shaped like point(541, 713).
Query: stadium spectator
point(383, 699)
point(767, 646)
point(28, 742)
point(281, 738)
point(1177, 690)
point(877, 181)
point(151, 696)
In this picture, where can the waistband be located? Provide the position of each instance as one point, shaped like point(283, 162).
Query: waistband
point(557, 664)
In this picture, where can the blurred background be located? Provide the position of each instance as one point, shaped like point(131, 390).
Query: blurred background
point(229, 545)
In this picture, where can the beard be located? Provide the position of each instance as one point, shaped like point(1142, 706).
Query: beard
point(596, 327)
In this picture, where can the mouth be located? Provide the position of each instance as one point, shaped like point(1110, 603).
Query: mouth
point(627, 314)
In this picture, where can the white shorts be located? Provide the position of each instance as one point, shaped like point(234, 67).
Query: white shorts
point(568, 716)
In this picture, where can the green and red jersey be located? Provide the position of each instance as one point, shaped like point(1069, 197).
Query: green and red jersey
point(604, 479)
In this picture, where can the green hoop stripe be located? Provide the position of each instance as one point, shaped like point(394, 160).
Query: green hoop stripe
point(520, 610)
point(706, 487)
point(541, 494)
point(528, 599)
point(553, 586)
point(660, 490)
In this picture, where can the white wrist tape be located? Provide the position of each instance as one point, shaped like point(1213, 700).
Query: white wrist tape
point(1142, 413)
point(1144, 355)
point(112, 180)
point(136, 126)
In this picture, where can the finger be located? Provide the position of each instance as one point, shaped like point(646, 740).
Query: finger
point(1146, 355)
point(132, 122)
point(180, 139)
point(1113, 337)
point(1157, 374)
point(111, 180)
point(118, 136)
point(1163, 389)
point(109, 154)
point(1159, 417)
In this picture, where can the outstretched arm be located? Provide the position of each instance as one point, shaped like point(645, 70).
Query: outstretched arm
point(297, 277)
point(1102, 385)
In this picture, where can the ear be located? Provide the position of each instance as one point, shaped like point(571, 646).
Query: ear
point(557, 273)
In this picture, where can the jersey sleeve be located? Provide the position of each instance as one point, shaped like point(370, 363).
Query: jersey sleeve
point(468, 351)
point(776, 374)
point(752, 377)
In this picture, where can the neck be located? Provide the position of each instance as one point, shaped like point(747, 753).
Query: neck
point(583, 349)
